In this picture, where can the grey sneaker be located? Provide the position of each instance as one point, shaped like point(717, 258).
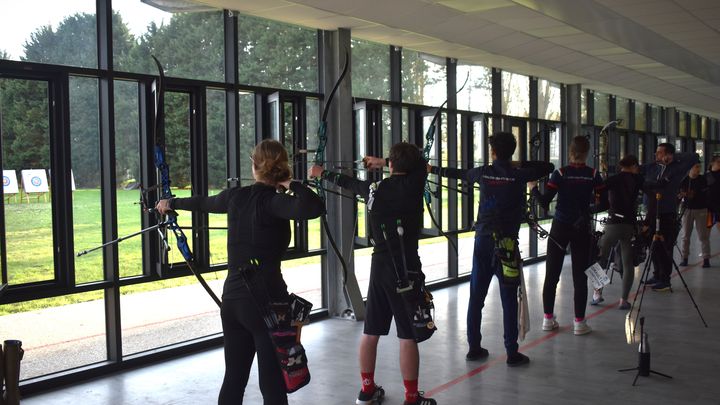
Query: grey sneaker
point(581, 328)
point(550, 324)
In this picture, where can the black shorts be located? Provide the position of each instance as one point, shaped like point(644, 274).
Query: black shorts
point(384, 302)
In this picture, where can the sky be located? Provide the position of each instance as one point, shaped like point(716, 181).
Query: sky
point(18, 19)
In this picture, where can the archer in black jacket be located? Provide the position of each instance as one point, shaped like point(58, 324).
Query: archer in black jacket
point(396, 200)
point(258, 228)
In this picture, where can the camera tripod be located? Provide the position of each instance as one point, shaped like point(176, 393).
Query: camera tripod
point(656, 243)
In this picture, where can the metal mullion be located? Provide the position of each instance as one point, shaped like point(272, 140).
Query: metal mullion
point(232, 98)
point(199, 173)
point(533, 126)
point(395, 55)
point(151, 245)
point(299, 115)
point(111, 272)
point(61, 197)
point(467, 159)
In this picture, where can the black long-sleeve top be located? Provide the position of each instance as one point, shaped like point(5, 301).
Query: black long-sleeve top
point(258, 228)
point(502, 192)
point(398, 197)
point(620, 197)
point(696, 192)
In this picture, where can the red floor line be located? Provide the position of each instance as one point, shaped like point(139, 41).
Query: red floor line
point(534, 343)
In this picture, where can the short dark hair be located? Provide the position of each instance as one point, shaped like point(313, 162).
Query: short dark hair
point(669, 148)
point(405, 157)
point(629, 161)
point(504, 144)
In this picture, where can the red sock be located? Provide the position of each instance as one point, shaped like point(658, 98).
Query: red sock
point(411, 390)
point(368, 382)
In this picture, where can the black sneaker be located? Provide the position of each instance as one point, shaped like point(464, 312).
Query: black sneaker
point(662, 286)
point(684, 262)
point(517, 359)
point(650, 281)
point(706, 263)
point(421, 400)
point(376, 397)
point(476, 354)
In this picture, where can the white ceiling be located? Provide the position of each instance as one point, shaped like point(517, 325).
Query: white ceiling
point(666, 52)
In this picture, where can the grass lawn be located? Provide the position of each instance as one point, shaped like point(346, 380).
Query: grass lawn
point(30, 249)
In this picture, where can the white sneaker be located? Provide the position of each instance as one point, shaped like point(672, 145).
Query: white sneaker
point(581, 328)
point(550, 324)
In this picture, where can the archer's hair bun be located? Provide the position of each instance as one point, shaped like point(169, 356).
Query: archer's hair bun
point(271, 162)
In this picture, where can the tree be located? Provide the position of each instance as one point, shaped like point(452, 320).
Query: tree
point(25, 137)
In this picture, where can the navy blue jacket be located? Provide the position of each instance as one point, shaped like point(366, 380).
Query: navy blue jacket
point(502, 193)
point(576, 186)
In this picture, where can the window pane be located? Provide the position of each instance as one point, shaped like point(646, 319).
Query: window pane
point(640, 118)
point(386, 130)
point(247, 136)
point(655, 119)
point(479, 143)
point(583, 107)
point(303, 277)
point(424, 78)
point(433, 254)
point(85, 158)
point(466, 247)
point(24, 119)
point(515, 94)
point(682, 123)
point(135, 24)
point(276, 54)
point(602, 108)
point(693, 125)
point(477, 93)
point(58, 32)
point(362, 259)
point(370, 70)
point(57, 333)
point(700, 150)
point(177, 156)
point(217, 171)
point(169, 311)
point(189, 45)
point(548, 100)
point(622, 108)
point(127, 172)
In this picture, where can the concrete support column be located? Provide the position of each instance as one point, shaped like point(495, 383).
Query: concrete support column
point(343, 300)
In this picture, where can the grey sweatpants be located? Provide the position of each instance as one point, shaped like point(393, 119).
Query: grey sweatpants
point(614, 234)
point(696, 218)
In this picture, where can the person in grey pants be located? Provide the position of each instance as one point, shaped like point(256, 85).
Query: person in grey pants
point(693, 192)
point(621, 201)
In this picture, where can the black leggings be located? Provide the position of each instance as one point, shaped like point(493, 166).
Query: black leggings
point(579, 240)
point(245, 333)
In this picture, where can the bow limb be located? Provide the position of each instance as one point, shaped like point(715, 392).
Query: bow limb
point(170, 219)
point(319, 159)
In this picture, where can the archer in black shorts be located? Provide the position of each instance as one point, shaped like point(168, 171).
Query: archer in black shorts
point(396, 198)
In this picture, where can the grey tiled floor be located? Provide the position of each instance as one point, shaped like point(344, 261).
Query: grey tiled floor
point(564, 369)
